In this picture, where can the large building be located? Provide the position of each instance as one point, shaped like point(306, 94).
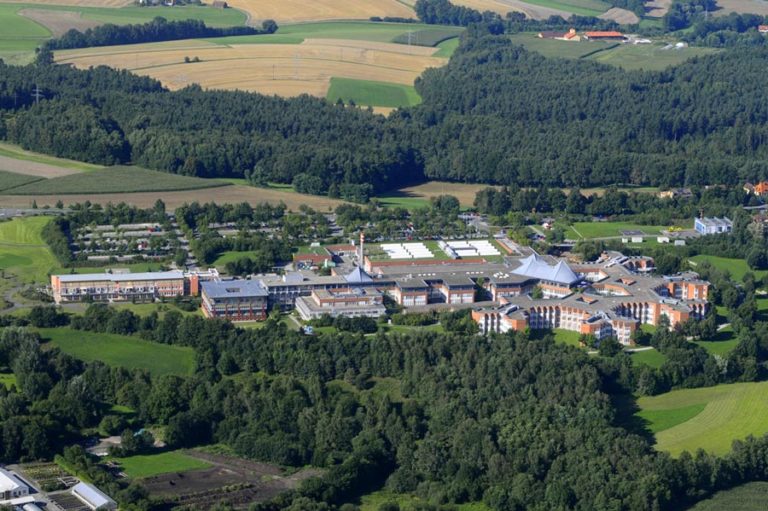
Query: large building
point(236, 300)
point(713, 225)
point(117, 287)
point(612, 298)
point(354, 302)
point(11, 487)
point(93, 498)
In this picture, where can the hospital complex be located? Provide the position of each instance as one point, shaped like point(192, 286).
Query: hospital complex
point(507, 287)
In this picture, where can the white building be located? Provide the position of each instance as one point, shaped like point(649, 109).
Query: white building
point(11, 487)
point(713, 225)
point(93, 497)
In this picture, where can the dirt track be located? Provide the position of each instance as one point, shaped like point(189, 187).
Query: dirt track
point(32, 168)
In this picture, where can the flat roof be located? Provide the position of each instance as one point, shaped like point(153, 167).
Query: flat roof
point(9, 481)
point(234, 289)
point(122, 277)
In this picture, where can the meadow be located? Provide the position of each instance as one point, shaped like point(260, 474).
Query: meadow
point(13, 152)
point(23, 253)
point(367, 92)
point(747, 497)
point(558, 49)
point(122, 351)
point(651, 358)
point(737, 268)
point(117, 179)
point(707, 418)
point(10, 180)
point(148, 465)
point(19, 34)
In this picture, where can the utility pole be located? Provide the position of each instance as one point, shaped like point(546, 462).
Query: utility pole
point(37, 94)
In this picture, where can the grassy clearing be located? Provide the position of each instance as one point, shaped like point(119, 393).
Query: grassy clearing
point(557, 49)
point(19, 34)
point(747, 497)
point(148, 465)
point(736, 267)
point(650, 57)
point(374, 501)
point(7, 379)
point(372, 93)
point(651, 358)
point(723, 343)
point(589, 230)
point(447, 48)
point(581, 7)
point(17, 153)
point(229, 257)
point(366, 31)
point(9, 180)
point(659, 420)
point(428, 37)
point(118, 179)
point(23, 253)
point(123, 351)
point(730, 412)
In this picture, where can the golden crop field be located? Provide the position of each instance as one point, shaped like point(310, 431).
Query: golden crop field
point(282, 69)
point(77, 3)
point(318, 10)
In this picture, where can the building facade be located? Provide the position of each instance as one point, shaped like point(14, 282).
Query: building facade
point(117, 287)
point(235, 300)
point(351, 303)
point(713, 225)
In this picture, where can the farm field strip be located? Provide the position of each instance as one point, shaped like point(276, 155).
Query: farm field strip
point(148, 465)
point(22, 250)
point(747, 497)
point(299, 10)
point(731, 412)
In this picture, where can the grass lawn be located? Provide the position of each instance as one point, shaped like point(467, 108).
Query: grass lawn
point(23, 253)
point(736, 267)
point(10, 180)
point(120, 350)
point(588, 230)
point(145, 309)
point(560, 49)
point(19, 33)
point(14, 151)
point(447, 48)
point(747, 497)
point(229, 257)
point(148, 465)
point(119, 179)
point(7, 379)
point(371, 93)
point(400, 200)
point(651, 358)
point(723, 343)
point(374, 501)
point(730, 412)
point(650, 57)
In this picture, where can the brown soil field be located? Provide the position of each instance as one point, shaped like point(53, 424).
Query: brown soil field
point(78, 3)
point(621, 16)
point(32, 168)
point(743, 7)
point(247, 482)
point(318, 10)
point(462, 191)
point(282, 69)
point(221, 195)
point(658, 8)
point(502, 7)
point(59, 22)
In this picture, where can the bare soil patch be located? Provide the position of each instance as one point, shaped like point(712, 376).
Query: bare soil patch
point(222, 195)
point(620, 16)
point(236, 481)
point(658, 8)
point(743, 7)
point(32, 168)
point(59, 22)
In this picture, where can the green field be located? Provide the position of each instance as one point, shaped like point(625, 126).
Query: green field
point(370, 93)
point(651, 57)
point(723, 343)
point(747, 497)
point(123, 351)
point(562, 49)
point(651, 358)
point(148, 465)
point(581, 7)
point(23, 253)
point(9, 180)
point(589, 230)
point(8, 380)
point(229, 257)
point(16, 152)
point(117, 179)
point(428, 37)
point(730, 412)
point(19, 34)
point(447, 48)
point(736, 267)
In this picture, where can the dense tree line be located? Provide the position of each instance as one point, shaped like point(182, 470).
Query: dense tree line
point(683, 13)
point(159, 29)
point(728, 31)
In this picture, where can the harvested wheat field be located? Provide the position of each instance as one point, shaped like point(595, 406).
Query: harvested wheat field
point(462, 191)
point(75, 3)
point(59, 22)
point(221, 195)
point(620, 16)
point(282, 69)
point(33, 168)
point(318, 10)
point(502, 7)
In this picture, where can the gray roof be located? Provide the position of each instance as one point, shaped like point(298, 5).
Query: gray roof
point(233, 289)
point(122, 277)
point(535, 266)
point(358, 276)
point(92, 495)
